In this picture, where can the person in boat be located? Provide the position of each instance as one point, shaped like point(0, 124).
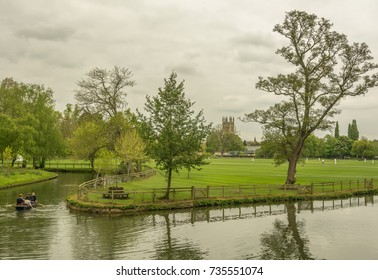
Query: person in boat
point(33, 198)
point(27, 196)
point(20, 200)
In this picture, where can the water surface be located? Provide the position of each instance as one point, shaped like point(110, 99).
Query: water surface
point(339, 229)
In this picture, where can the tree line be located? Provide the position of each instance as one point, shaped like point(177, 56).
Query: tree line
point(101, 128)
point(341, 147)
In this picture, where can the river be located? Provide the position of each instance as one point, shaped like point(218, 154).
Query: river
point(339, 229)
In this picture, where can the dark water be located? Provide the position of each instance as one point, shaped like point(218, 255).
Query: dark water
point(340, 229)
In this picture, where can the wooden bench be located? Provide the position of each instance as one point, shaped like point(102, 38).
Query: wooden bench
point(116, 195)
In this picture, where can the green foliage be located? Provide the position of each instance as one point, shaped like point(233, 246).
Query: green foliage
point(221, 140)
point(29, 121)
point(362, 149)
point(87, 140)
point(105, 163)
point(132, 149)
point(171, 129)
point(8, 132)
point(326, 70)
point(353, 132)
point(337, 130)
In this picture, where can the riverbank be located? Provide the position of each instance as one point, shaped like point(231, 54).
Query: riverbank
point(119, 208)
point(14, 177)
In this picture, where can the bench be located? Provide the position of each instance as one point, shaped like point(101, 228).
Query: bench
point(115, 195)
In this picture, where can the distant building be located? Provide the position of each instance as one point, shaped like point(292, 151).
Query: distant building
point(228, 124)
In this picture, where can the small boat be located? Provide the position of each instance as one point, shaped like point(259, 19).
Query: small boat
point(26, 206)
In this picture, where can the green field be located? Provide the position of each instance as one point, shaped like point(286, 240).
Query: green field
point(243, 171)
point(17, 176)
point(241, 178)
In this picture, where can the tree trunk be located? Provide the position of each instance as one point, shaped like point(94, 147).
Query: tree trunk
point(292, 169)
point(91, 160)
point(166, 196)
point(42, 163)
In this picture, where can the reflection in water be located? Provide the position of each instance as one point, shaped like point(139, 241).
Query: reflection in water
point(105, 237)
point(175, 249)
point(304, 230)
point(287, 241)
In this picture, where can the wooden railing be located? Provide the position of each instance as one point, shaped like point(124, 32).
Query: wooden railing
point(108, 181)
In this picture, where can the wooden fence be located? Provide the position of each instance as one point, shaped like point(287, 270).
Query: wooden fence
point(67, 166)
point(97, 186)
point(109, 181)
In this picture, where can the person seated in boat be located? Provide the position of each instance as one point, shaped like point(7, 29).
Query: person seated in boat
point(20, 200)
point(24, 201)
point(33, 197)
point(27, 197)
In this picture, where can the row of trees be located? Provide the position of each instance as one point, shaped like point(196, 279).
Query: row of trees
point(29, 124)
point(100, 127)
point(327, 147)
point(353, 132)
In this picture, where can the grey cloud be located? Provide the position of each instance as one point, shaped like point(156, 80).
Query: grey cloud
point(184, 70)
point(46, 33)
point(254, 39)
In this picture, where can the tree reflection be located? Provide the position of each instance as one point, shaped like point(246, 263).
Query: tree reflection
point(286, 241)
point(172, 248)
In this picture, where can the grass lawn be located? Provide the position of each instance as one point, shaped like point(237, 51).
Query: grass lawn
point(235, 180)
point(244, 171)
point(16, 176)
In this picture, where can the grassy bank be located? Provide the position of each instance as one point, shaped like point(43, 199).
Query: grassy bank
point(234, 181)
point(235, 171)
point(11, 177)
point(125, 207)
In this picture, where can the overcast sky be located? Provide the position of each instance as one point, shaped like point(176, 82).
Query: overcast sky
point(219, 47)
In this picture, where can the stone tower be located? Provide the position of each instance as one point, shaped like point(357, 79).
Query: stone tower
point(228, 124)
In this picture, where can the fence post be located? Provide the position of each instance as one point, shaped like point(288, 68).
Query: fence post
point(193, 194)
point(312, 188)
point(341, 185)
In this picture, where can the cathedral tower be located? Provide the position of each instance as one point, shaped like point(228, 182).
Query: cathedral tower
point(228, 124)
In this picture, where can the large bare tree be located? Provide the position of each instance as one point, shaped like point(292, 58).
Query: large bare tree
point(327, 69)
point(103, 90)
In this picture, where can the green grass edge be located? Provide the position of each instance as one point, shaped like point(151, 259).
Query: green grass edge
point(114, 208)
point(28, 182)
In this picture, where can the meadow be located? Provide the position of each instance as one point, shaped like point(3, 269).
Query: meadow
point(17, 176)
point(246, 171)
point(244, 178)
